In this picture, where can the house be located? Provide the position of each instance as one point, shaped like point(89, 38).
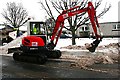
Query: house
point(83, 31)
point(4, 33)
point(108, 29)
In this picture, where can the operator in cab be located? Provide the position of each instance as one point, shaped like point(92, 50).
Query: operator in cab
point(35, 30)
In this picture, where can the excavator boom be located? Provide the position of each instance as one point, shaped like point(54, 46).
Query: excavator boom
point(69, 13)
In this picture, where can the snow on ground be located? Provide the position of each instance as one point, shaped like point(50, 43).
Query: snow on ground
point(81, 58)
point(82, 41)
point(63, 43)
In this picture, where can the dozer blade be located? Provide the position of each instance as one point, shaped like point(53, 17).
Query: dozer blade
point(92, 47)
point(12, 50)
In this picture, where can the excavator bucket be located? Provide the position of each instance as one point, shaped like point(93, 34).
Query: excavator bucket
point(92, 47)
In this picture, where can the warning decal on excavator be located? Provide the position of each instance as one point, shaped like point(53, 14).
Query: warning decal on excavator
point(65, 16)
point(34, 43)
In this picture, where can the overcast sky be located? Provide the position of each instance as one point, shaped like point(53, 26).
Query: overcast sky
point(34, 9)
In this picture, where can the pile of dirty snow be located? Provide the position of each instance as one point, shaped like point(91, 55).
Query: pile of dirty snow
point(106, 54)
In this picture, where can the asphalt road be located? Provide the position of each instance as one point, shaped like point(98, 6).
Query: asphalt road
point(52, 69)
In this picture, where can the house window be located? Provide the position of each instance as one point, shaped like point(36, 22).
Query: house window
point(86, 28)
point(116, 27)
point(82, 28)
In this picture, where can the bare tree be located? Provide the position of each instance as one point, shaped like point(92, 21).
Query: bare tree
point(76, 21)
point(15, 15)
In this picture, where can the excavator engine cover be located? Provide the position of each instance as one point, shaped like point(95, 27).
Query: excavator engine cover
point(32, 43)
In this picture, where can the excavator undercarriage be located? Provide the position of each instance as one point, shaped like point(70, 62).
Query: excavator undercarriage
point(34, 56)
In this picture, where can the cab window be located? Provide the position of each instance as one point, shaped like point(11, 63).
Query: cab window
point(36, 28)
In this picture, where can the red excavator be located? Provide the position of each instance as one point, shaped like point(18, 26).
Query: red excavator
point(34, 46)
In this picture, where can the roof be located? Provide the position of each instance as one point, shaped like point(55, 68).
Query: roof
point(3, 26)
point(109, 22)
point(6, 29)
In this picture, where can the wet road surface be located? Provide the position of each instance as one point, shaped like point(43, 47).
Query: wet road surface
point(52, 69)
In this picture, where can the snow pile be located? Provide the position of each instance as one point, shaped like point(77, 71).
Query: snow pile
point(112, 47)
point(85, 61)
point(99, 59)
point(106, 54)
point(15, 43)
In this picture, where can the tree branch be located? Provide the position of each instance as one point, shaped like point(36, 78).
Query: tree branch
point(15, 14)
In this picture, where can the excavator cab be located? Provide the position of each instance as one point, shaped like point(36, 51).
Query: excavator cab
point(36, 37)
point(38, 29)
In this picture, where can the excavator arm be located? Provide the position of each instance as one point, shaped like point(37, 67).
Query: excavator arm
point(72, 12)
